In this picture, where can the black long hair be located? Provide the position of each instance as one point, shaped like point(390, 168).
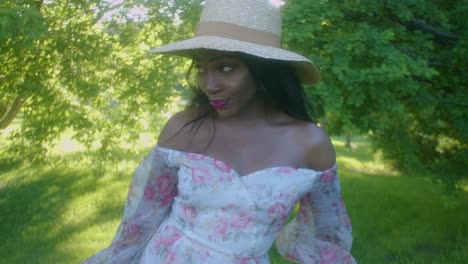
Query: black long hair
point(278, 84)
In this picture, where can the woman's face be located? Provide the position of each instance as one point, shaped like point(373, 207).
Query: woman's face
point(227, 82)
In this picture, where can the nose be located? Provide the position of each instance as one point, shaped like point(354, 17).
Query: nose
point(211, 83)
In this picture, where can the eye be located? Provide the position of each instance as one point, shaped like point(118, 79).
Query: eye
point(199, 69)
point(226, 68)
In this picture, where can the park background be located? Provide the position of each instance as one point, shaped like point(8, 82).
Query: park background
point(82, 101)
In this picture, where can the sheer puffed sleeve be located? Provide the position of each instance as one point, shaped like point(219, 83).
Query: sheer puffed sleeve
point(321, 230)
point(150, 196)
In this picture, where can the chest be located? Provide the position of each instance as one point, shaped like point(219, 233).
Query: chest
point(254, 148)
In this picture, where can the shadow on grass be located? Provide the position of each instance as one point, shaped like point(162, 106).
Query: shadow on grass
point(360, 158)
point(7, 165)
point(403, 219)
point(43, 209)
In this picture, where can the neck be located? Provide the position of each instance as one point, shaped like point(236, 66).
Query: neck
point(259, 111)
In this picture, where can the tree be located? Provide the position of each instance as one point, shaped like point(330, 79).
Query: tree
point(393, 69)
point(64, 67)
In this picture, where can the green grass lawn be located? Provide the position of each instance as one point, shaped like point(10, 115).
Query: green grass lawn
point(64, 213)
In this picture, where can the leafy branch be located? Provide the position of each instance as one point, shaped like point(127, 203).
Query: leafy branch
point(8, 115)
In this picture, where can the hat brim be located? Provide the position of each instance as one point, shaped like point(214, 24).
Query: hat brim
point(305, 69)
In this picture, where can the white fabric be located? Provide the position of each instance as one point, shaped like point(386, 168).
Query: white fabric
point(190, 208)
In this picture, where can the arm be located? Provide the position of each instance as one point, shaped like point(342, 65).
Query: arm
point(321, 231)
point(149, 198)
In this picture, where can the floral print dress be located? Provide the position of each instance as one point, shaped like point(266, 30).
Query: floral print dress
point(189, 208)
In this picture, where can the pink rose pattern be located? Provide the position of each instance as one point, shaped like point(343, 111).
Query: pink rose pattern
point(195, 156)
point(170, 258)
point(149, 192)
point(327, 176)
point(163, 240)
point(221, 166)
point(242, 221)
point(189, 213)
point(162, 185)
point(131, 230)
point(201, 175)
point(220, 226)
point(327, 255)
point(277, 210)
point(249, 260)
point(153, 190)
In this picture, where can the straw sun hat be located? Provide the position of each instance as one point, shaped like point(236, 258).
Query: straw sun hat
point(248, 26)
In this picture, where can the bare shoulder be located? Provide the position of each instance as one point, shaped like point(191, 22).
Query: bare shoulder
point(175, 132)
point(318, 147)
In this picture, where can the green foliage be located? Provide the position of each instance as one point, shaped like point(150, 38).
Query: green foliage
point(393, 69)
point(74, 70)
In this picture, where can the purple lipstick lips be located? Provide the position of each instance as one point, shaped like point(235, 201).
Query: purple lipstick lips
point(219, 104)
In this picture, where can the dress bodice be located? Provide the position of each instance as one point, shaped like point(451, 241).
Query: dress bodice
point(231, 213)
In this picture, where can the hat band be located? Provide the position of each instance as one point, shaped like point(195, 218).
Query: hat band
point(236, 32)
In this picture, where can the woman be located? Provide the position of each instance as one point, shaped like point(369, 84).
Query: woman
point(228, 171)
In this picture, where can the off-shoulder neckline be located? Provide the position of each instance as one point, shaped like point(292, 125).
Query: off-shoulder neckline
point(250, 173)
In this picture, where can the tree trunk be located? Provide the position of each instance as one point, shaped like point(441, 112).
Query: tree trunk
point(3, 109)
point(348, 140)
point(323, 123)
point(5, 120)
